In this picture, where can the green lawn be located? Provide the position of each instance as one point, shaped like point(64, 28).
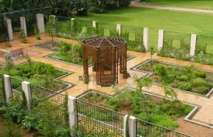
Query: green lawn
point(202, 4)
point(183, 22)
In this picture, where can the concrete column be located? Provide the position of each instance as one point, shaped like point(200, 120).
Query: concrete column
point(27, 91)
point(73, 24)
point(146, 38)
point(40, 22)
point(119, 29)
point(9, 29)
point(72, 111)
point(132, 126)
point(125, 126)
point(160, 39)
point(23, 25)
point(95, 26)
point(193, 44)
point(8, 87)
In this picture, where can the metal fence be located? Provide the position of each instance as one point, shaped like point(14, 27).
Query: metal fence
point(30, 16)
point(16, 85)
point(146, 129)
point(99, 120)
point(134, 37)
point(2, 92)
point(176, 44)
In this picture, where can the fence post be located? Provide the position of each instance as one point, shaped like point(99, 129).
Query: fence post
point(95, 26)
point(132, 126)
point(73, 25)
point(9, 29)
point(146, 38)
point(40, 22)
point(193, 44)
point(160, 39)
point(72, 112)
point(119, 29)
point(8, 88)
point(23, 25)
point(27, 91)
point(125, 126)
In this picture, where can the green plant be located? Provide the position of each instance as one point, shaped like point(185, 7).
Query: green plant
point(23, 36)
point(11, 130)
point(36, 32)
point(9, 61)
point(185, 86)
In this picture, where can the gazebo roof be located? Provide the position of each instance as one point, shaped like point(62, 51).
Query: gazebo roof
point(104, 41)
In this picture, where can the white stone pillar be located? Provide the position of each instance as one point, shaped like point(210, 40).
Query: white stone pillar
point(193, 44)
point(160, 39)
point(23, 25)
point(125, 126)
point(72, 111)
point(8, 87)
point(27, 91)
point(40, 22)
point(119, 29)
point(95, 26)
point(9, 29)
point(73, 24)
point(146, 38)
point(132, 126)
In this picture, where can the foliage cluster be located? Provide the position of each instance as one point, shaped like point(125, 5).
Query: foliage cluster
point(186, 78)
point(45, 118)
point(141, 105)
point(68, 52)
point(37, 73)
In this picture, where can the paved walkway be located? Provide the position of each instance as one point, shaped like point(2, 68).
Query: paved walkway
point(136, 3)
point(204, 115)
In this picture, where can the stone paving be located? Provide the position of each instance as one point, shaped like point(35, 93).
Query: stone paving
point(204, 115)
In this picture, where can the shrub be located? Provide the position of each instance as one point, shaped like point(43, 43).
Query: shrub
point(200, 82)
point(13, 72)
point(185, 86)
point(201, 90)
point(182, 77)
point(164, 121)
point(125, 99)
point(198, 73)
point(160, 70)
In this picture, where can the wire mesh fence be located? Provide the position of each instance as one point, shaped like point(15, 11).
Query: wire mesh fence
point(99, 120)
point(40, 93)
point(146, 129)
point(16, 85)
point(30, 17)
point(176, 45)
point(2, 92)
point(204, 50)
point(134, 37)
point(3, 29)
point(106, 29)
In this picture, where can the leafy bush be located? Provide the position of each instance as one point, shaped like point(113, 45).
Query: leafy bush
point(198, 73)
point(164, 121)
point(160, 70)
point(185, 86)
point(182, 77)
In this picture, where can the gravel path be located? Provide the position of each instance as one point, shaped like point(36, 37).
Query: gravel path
point(136, 3)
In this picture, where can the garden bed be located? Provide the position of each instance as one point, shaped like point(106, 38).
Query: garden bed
point(41, 76)
point(186, 78)
point(146, 107)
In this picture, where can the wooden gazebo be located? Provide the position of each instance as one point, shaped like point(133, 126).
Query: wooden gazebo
point(107, 54)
